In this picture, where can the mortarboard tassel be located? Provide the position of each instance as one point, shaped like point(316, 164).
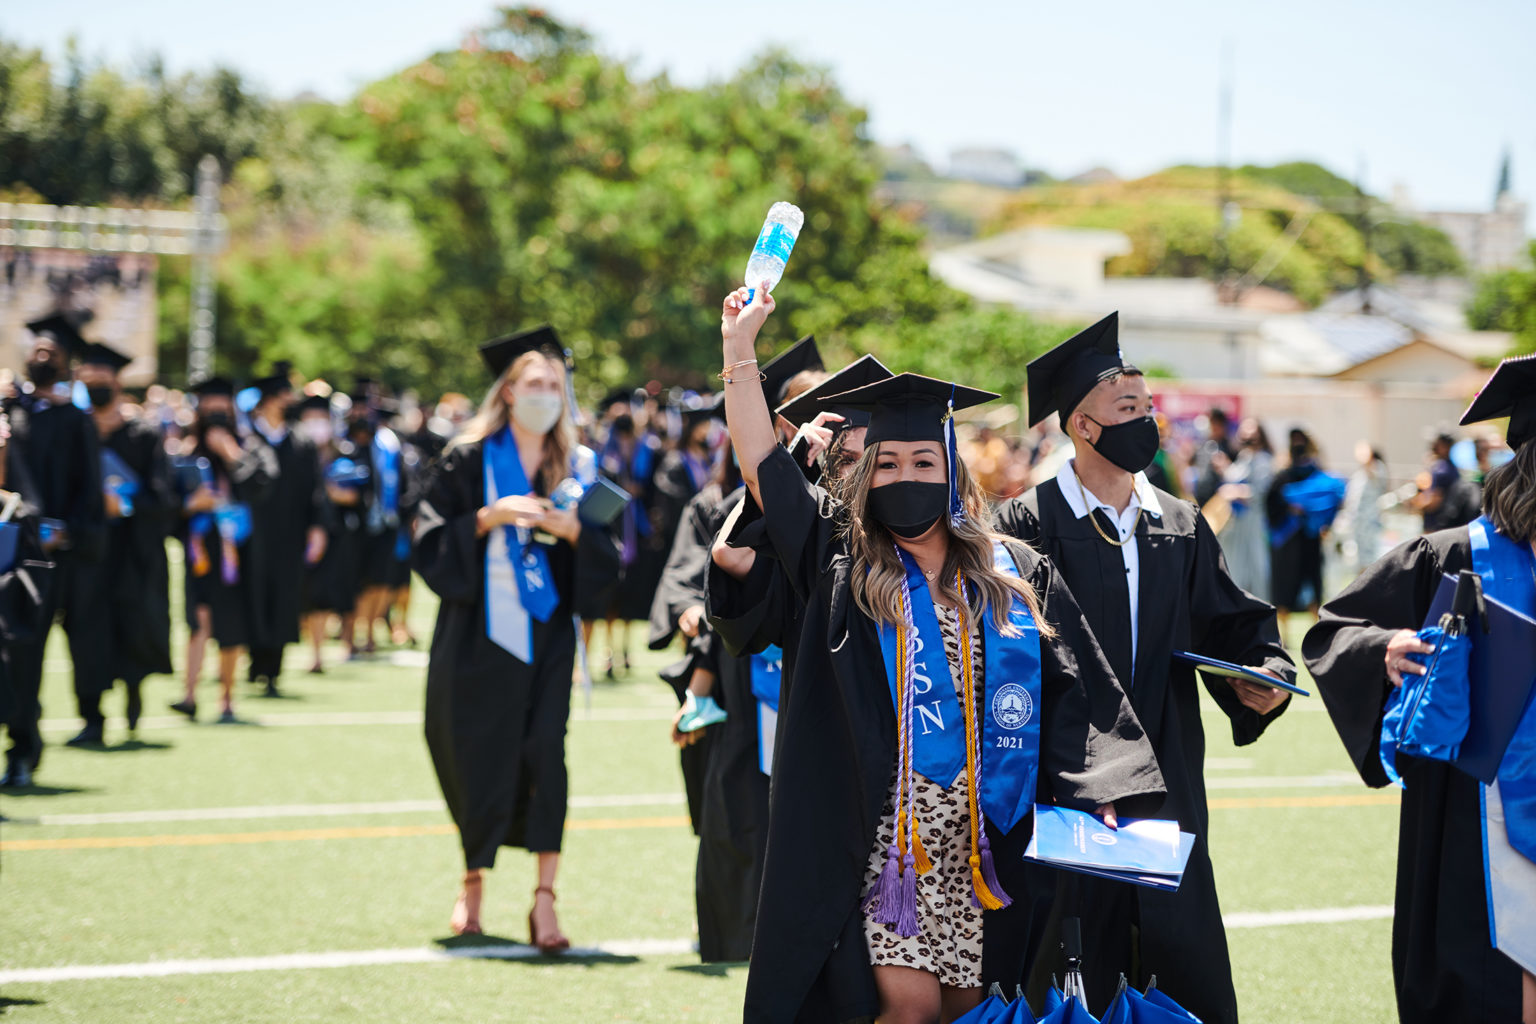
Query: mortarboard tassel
point(952, 458)
point(919, 855)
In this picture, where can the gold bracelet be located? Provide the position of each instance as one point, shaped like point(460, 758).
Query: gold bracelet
point(728, 369)
point(761, 376)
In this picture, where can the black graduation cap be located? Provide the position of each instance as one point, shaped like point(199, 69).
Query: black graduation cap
point(909, 406)
point(214, 387)
point(97, 354)
point(617, 395)
point(862, 371)
point(499, 353)
point(1511, 391)
point(313, 403)
point(1062, 378)
point(277, 380)
point(63, 329)
point(799, 357)
point(711, 408)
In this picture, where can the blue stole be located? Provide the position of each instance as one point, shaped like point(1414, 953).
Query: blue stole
point(384, 510)
point(518, 585)
point(1508, 572)
point(1009, 707)
point(767, 675)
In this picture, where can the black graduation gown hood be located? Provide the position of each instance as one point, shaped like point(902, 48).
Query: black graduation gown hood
point(1187, 602)
point(1443, 965)
point(835, 755)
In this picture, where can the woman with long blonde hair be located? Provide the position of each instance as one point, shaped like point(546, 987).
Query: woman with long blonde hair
point(502, 558)
point(945, 682)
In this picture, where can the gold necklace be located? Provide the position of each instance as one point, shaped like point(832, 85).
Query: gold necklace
point(1095, 520)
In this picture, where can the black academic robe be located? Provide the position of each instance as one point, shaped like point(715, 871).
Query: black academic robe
point(1297, 563)
point(330, 584)
point(495, 725)
point(810, 961)
point(234, 607)
point(128, 590)
point(59, 447)
point(671, 488)
point(1187, 602)
point(285, 514)
point(1443, 965)
point(728, 793)
point(24, 599)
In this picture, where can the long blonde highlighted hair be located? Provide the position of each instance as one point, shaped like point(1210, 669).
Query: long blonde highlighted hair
point(878, 571)
point(495, 413)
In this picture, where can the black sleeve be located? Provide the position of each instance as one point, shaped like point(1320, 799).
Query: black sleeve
point(253, 475)
point(1346, 650)
point(1228, 623)
point(682, 581)
point(86, 517)
point(448, 555)
point(1093, 749)
point(800, 520)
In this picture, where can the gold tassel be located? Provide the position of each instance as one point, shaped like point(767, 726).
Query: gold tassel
point(919, 855)
point(984, 895)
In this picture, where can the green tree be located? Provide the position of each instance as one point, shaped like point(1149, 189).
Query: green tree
point(1505, 300)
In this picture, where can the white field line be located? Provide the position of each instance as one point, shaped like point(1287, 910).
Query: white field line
point(420, 955)
point(263, 811)
point(353, 958)
point(1327, 780)
point(661, 713)
point(1322, 915)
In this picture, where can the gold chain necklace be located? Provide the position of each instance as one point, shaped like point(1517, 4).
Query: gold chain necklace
point(1095, 519)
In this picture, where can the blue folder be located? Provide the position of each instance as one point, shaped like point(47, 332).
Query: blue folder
point(1142, 851)
point(1503, 672)
point(1227, 668)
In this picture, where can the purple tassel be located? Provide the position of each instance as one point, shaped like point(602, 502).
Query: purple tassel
point(989, 873)
point(906, 921)
point(884, 895)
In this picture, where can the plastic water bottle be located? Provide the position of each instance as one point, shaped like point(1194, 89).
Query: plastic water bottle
point(569, 494)
point(774, 244)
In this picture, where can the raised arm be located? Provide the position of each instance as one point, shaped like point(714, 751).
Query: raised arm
point(746, 409)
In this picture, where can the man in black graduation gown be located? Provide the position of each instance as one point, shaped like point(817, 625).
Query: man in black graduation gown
point(25, 579)
point(124, 599)
point(1151, 580)
point(62, 455)
point(293, 516)
point(1444, 966)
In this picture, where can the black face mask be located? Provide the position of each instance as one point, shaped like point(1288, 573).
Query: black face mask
point(908, 508)
point(1299, 453)
point(43, 375)
point(101, 395)
point(216, 419)
point(1130, 445)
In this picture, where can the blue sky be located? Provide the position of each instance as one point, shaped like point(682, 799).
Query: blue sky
point(1423, 94)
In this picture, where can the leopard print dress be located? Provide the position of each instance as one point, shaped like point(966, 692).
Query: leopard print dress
point(948, 941)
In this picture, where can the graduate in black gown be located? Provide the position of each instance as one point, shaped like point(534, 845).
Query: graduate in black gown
point(25, 579)
point(330, 583)
point(1151, 580)
point(722, 763)
point(840, 932)
point(502, 557)
point(750, 603)
point(221, 475)
point(294, 517)
point(1444, 966)
point(62, 453)
point(126, 595)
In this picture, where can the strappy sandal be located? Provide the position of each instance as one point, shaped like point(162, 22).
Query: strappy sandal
point(466, 921)
point(547, 946)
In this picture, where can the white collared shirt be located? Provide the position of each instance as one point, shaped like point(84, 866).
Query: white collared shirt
point(1143, 499)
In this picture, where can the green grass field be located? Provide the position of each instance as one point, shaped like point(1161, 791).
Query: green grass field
point(260, 871)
